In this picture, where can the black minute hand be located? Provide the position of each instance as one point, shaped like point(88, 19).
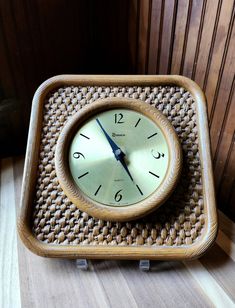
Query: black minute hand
point(119, 155)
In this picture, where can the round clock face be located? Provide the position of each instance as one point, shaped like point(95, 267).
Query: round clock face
point(118, 157)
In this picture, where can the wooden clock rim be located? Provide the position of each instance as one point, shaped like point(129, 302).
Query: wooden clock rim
point(121, 213)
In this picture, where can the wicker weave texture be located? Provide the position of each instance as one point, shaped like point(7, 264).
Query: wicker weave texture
point(179, 221)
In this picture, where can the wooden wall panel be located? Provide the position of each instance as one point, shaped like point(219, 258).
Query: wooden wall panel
point(40, 39)
point(195, 38)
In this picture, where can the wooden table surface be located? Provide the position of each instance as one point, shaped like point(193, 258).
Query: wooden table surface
point(31, 281)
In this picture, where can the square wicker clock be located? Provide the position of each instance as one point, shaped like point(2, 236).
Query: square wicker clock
point(118, 167)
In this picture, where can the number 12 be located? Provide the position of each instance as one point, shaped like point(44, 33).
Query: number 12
point(118, 118)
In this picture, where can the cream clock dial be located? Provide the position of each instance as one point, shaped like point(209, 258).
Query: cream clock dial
point(118, 159)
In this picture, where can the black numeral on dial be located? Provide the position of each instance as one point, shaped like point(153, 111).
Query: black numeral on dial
point(118, 196)
point(77, 155)
point(158, 155)
point(118, 118)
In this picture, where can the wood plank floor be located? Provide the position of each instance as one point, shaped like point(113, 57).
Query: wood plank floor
point(31, 281)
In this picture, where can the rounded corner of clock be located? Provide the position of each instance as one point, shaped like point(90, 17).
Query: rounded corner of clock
point(194, 88)
point(202, 246)
point(29, 240)
point(48, 85)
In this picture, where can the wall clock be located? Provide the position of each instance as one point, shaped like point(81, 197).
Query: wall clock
point(67, 139)
point(118, 159)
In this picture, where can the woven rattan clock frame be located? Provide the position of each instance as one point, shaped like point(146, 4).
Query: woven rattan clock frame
point(163, 252)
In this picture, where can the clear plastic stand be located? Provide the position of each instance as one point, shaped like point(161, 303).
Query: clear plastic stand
point(82, 264)
point(144, 265)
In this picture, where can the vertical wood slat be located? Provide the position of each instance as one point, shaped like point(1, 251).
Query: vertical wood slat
point(206, 41)
point(133, 33)
point(228, 176)
point(167, 35)
point(193, 37)
point(219, 51)
point(231, 202)
point(180, 36)
point(144, 18)
point(226, 140)
point(216, 128)
point(155, 34)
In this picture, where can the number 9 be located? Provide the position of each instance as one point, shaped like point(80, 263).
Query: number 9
point(77, 155)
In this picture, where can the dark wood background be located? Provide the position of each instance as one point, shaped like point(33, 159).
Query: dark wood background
point(194, 38)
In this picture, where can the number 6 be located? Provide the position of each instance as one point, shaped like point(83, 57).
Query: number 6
point(118, 196)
